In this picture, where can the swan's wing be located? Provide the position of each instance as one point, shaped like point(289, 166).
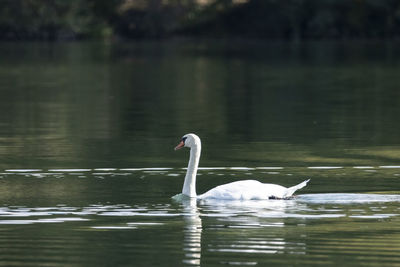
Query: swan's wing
point(250, 189)
point(244, 190)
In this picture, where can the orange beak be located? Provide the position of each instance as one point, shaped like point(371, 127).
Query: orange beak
point(180, 145)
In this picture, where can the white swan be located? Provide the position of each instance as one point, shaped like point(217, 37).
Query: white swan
point(240, 190)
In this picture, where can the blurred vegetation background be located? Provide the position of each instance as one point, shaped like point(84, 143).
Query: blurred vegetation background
point(270, 19)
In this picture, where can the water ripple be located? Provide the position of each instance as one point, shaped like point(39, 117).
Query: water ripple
point(340, 198)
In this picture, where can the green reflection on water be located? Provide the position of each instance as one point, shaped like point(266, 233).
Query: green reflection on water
point(95, 105)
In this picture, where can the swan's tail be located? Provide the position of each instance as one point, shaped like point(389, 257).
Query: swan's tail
point(291, 190)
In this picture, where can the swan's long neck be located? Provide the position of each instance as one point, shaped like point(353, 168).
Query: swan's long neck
point(189, 186)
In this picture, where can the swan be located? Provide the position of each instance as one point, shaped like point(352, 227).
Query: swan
point(239, 190)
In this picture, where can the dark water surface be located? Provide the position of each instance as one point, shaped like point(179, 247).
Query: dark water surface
point(87, 167)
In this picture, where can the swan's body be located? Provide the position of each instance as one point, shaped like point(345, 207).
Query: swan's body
point(240, 190)
point(250, 189)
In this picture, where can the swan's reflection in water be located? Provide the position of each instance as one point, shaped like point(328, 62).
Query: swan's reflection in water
point(252, 227)
point(192, 232)
point(238, 227)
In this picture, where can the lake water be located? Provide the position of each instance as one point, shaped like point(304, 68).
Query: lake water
point(87, 166)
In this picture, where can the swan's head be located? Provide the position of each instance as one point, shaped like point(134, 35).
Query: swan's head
point(189, 140)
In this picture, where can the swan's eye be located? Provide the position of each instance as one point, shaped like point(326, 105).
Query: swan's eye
point(184, 139)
